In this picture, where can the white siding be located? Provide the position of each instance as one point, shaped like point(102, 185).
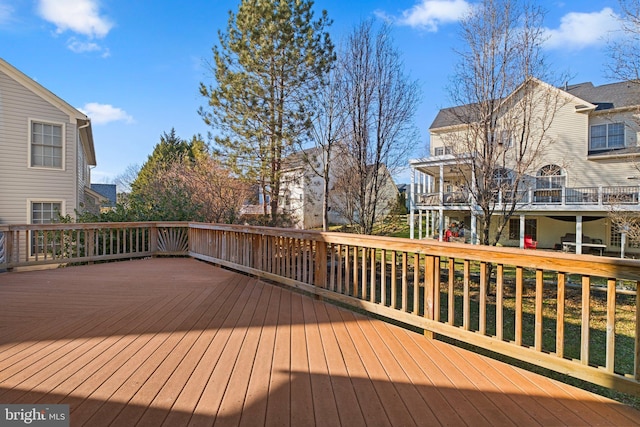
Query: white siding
point(19, 182)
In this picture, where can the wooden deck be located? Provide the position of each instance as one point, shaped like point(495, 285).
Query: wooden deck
point(176, 341)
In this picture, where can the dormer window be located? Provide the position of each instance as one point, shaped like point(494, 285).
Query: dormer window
point(607, 136)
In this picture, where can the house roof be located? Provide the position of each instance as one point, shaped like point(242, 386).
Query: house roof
point(106, 190)
point(604, 97)
point(301, 158)
point(82, 120)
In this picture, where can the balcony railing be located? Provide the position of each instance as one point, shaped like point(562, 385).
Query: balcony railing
point(599, 196)
point(509, 301)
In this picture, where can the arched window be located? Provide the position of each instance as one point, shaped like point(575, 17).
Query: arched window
point(550, 176)
point(549, 182)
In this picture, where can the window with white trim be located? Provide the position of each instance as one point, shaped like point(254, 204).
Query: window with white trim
point(440, 151)
point(607, 136)
point(47, 145)
point(44, 213)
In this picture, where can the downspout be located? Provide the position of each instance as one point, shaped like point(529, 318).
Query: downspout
point(75, 172)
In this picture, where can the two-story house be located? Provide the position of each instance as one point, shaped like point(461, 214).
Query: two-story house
point(302, 190)
point(587, 171)
point(46, 151)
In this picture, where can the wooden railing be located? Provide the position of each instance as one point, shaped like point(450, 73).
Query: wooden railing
point(28, 245)
point(562, 312)
point(577, 315)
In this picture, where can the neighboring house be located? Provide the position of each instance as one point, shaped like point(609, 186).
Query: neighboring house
point(301, 192)
point(46, 148)
point(109, 196)
point(588, 169)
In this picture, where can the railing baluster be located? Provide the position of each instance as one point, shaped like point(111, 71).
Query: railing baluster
point(611, 325)
point(499, 301)
point(537, 342)
point(519, 289)
point(383, 277)
point(560, 315)
point(416, 283)
point(405, 285)
point(451, 294)
point(586, 316)
point(466, 307)
point(394, 289)
point(484, 288)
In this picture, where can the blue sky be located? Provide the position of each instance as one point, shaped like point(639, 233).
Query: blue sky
point(134, 66)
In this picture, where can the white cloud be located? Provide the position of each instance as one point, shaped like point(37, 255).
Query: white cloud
point(101, 114)
point(80, 16)
point(579, 30)
point(81, 47)
point(430, 14)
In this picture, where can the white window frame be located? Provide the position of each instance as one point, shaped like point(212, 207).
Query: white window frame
point(445, 150)
point(62, 125)
point(34, 234)
point(30, 203)
point(606, 136)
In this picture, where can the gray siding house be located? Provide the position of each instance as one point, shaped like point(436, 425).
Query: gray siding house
point(46, 150)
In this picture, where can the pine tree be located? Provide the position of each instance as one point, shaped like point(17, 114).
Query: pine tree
point(269, 64)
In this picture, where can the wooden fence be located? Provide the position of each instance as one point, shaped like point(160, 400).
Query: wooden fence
point(569, 313)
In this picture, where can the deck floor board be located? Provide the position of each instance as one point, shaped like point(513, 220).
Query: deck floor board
point(176, 342)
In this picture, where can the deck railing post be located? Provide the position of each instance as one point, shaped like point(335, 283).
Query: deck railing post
point(91, 239)
point(429, 290)
point(153, 239)
point(320, 265)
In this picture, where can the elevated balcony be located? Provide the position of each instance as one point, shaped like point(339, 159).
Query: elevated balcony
point(601, 198)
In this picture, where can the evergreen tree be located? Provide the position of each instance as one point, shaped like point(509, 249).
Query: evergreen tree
point(152, 197)
point(269, 64)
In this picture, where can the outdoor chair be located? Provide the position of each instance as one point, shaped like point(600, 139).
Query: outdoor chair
point(529, 243)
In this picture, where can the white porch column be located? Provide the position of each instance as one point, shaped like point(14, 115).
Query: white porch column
point(412, 204)
point(419, 223)
point(441, 183)
point(474, 228)
point(578, 234)
point(521, 237)
point(441, 225)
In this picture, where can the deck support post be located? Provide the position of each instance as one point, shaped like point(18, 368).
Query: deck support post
point(578, 234)
point(474, 228)
point(412, 203)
